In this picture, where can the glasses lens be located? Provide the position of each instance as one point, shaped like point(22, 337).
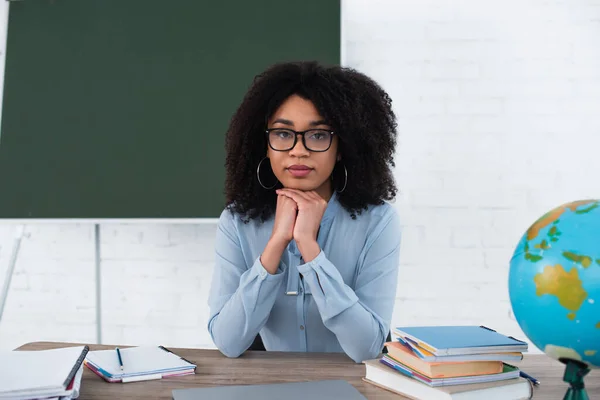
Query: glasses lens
point(281, 139)
point(317, 140)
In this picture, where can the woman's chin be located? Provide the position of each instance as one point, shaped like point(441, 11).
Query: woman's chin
point(300, 185)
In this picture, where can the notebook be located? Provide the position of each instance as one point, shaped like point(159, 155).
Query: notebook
point(508, 372)
point(386, 378)
point(460, 340)
point(49, 373)
point(313, 390)
point(430, 357)
point(139, 363)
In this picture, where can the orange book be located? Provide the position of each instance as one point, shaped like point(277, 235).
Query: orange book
point(403, 354)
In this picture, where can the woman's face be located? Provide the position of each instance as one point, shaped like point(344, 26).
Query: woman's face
point(299, 168)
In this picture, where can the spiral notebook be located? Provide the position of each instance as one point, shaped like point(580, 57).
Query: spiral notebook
point(139, 363)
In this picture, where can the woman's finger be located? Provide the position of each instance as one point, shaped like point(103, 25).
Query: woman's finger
point(294, 195)
point(291, 195)
point(298, 193)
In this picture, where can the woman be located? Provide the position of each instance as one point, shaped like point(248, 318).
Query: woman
point(307, 249)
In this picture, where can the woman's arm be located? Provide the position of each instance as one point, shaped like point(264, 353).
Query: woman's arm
point(241, 299)
point(359, 318)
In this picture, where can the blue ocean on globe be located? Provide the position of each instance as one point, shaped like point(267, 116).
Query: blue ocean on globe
point(554, 282)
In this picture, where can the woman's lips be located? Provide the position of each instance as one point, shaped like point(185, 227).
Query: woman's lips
point(299, 170)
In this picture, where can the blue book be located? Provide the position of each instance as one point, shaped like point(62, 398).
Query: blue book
point(460, 340)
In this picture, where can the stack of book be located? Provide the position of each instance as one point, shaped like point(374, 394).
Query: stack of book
point(451, 362)
point(42, 374)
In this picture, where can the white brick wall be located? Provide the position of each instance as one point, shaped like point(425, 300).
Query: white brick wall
point(498, 106)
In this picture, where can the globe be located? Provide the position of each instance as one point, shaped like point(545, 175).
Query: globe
point(554, 282)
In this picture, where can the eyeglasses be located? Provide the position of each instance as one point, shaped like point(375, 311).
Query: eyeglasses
point(317, 140)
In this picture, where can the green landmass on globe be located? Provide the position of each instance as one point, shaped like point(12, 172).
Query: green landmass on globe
point(559, 255)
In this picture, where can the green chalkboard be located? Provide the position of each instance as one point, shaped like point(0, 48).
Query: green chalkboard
point(118, 108)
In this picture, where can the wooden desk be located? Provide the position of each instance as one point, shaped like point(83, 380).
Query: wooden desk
point(256, 367)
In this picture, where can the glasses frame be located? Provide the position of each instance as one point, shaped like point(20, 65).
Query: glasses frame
point(302, 133)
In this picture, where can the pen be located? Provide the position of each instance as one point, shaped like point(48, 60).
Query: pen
point(529, 377)
point(120, 359)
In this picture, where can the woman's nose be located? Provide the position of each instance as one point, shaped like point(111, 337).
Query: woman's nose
point(299, 148)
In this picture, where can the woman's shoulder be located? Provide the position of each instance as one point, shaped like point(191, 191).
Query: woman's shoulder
point(383, 222)
point(232, 220)
point(385, 209)
point(374, 219)
point(383, 212)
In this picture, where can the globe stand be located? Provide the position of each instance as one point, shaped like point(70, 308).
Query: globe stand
point(574, 373)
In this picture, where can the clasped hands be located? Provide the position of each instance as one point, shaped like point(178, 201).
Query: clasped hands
point(298, 216)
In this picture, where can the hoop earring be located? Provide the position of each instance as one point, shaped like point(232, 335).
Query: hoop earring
point(345, 180)
point(258, 176)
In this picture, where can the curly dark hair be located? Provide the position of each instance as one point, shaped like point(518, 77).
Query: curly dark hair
point(355, 106)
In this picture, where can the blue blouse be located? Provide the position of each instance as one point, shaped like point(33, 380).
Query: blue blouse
point(342, 301)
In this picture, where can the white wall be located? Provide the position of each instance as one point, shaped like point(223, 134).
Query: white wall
point(499, 115)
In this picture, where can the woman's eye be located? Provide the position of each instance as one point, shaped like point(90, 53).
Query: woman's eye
point(283, 134)
point(319, 136)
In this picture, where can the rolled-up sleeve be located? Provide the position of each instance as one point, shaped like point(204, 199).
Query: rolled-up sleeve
point(241, 297)
point(360, 317)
